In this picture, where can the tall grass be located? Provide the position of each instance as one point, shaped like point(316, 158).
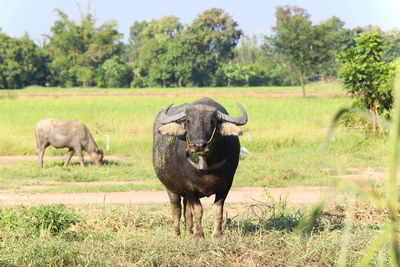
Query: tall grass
point(128, 235)
point(386, 241)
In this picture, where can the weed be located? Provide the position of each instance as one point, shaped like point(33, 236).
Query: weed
point(53, 218)
point(266, 216)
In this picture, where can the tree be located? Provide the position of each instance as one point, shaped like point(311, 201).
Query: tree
point(135, 41)
point(366, 75)
point(292, 39)
point(78, 50)
point(115, 74)
point(248, 50)
point(171, 54)
point(329, 38)
point(208, 42)
point(241, 75)
point(22, 62)
point(159, 51)
point(391, 48)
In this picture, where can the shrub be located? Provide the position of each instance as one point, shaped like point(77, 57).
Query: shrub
point(54, 218)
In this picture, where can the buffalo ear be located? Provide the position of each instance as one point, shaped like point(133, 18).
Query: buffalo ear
point(173, 128)
point(228, 128)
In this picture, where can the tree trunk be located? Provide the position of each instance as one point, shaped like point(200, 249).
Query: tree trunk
point(372, 111)
point(302, 83)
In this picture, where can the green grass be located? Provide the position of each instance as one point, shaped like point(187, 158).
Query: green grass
point(129, 235)
point(286, 136)
point(285, 149)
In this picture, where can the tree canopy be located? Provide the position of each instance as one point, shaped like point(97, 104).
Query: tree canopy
point(366, 75)
point(79, 50)
point(22, 62)
point(212, 50)
point(172, 54)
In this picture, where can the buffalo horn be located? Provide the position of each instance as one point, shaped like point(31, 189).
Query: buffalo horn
point(236, 120)
point(164, 118)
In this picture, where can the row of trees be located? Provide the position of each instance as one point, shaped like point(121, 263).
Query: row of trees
point(211, 51)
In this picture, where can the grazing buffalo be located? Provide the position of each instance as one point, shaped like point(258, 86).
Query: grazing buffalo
point(72, 134)
point(195, 154)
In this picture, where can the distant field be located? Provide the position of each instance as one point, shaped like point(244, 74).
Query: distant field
point(284, 136)
point(311, 86)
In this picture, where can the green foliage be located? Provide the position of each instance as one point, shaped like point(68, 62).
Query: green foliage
point(115, 74)
point(254, 65)
point(159, 52)
point(306, 49)
point(21, 63)
point(386, 202)
point(391, 45)
point(211, 39)
point(329, 38)
point(77, 50)
point(366, 75)
point(142, 235)
point(84, 75)
point(132, 50)
point(168, 53)
point(54, 218)
point(241, 75)
point(293, 39)
point(280, 128)
point(248, 50)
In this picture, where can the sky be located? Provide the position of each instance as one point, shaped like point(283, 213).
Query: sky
point(253, 16)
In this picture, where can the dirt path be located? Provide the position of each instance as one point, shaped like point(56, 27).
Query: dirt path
point(15, 159)
point(297, 195)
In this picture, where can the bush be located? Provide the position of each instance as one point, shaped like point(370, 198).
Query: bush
point(115, 73)
point(54, 218)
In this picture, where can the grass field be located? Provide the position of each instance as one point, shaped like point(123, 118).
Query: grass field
point(284, 137)
point(129, 235)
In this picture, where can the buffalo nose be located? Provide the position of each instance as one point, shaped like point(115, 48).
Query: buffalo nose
point(198, 146)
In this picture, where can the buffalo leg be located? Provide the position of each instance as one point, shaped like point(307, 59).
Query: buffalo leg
point(175, 201)
point(218, 211)
point(187, 210)
point(197, 211)
point(80, 155)
point(40, 157)
point(69, 156)
point(40, 151)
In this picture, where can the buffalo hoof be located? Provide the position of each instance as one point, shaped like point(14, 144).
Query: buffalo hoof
point(217, 234)
point(190, 232)
point(199, 235)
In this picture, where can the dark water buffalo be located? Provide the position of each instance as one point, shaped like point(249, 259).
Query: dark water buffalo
point(62, 133)
point(195, 154)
